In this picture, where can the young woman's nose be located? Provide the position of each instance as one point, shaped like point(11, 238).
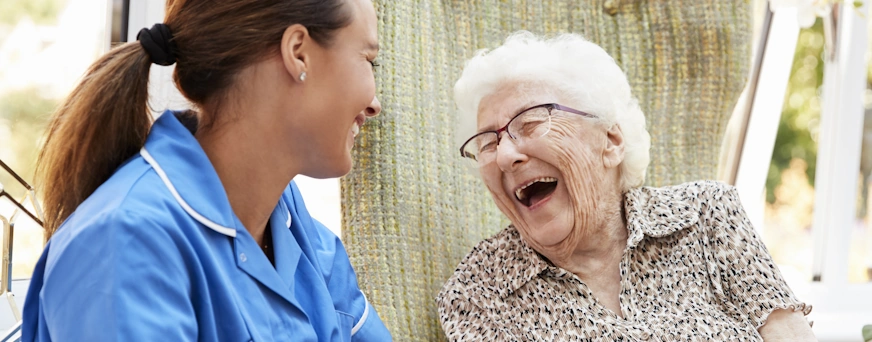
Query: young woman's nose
point(374, 108)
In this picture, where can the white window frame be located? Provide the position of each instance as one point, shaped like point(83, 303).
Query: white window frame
point(840, 308)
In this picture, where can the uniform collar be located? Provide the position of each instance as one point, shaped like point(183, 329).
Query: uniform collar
point(176, 156)
point(654, 212)
point(287, 257)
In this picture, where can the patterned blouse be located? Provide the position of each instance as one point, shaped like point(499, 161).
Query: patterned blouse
point(693, 270)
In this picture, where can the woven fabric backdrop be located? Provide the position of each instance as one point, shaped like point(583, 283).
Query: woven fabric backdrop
point(411, 210)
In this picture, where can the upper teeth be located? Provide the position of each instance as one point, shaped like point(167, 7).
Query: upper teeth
point(519, 193)
point(355, 130)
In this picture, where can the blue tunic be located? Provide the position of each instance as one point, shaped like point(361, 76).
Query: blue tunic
point(157, 254)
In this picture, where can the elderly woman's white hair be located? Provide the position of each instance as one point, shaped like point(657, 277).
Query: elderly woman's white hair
point(571, 65)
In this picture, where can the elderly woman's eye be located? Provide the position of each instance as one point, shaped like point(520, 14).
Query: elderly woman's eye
point(489, 146)
point(530, 127)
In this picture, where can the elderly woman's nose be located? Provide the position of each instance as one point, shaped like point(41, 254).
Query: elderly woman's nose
point(508, 155)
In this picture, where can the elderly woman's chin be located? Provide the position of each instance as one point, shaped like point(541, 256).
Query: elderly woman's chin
point(551, 234)
point(546, 220)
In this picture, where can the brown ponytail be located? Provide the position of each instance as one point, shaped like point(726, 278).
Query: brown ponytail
point(99, 125)
point(105, 120)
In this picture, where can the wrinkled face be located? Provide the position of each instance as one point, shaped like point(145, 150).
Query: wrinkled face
point(340, 92)
point(547, 186)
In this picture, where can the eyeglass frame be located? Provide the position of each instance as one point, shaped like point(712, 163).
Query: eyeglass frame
point(551, 107)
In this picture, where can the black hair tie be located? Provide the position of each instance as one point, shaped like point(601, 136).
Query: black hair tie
point(158, 43)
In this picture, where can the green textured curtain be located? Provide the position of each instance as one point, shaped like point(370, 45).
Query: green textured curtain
point(411, 210)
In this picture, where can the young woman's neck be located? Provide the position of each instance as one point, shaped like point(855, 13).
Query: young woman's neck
point(245, 147)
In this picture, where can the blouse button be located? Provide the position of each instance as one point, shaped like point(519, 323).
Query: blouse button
point(644, 335)
point(242, 257)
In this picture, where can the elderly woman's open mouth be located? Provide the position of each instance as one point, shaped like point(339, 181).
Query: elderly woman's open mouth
point(535, 191)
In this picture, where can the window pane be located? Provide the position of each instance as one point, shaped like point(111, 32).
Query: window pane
point(788, 215)
point(45, 48)
point(860, 257)
point(790, 184)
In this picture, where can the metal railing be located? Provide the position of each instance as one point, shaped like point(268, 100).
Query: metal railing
point(8, 233)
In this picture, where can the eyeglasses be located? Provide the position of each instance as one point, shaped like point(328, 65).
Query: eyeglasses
point(529, 124)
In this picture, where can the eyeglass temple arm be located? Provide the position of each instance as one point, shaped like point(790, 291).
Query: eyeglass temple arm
point(571, 110)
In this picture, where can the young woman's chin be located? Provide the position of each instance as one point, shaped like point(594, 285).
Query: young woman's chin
point(344, 169)
point(340, 167)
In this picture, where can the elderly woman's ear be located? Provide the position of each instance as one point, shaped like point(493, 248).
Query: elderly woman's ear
point(613, 153)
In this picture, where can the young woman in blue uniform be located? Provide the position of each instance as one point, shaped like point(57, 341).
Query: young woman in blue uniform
point(189, 228)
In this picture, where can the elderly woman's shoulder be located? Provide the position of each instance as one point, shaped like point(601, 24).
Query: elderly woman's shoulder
point(661, 211)
point(697, 191)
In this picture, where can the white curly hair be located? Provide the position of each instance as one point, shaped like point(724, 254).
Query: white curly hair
point(574, 67)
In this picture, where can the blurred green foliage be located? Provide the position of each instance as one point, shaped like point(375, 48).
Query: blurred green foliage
point(25, 113)
point(802, 107)
point(40, 11)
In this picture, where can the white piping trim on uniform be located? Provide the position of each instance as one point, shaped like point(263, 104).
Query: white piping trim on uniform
point(362, 318)
point(163, 176)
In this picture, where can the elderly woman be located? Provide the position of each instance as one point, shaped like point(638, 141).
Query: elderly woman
point(590, 255)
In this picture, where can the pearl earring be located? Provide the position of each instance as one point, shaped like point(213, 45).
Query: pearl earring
point(303, 77)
